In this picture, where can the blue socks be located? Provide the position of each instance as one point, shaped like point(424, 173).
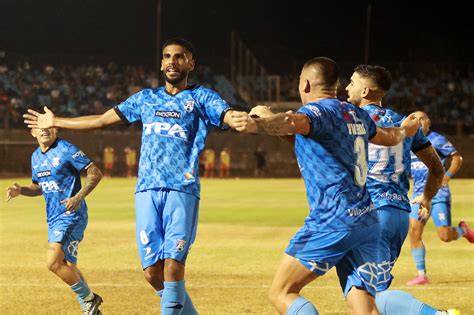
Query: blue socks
point(82, 291)
point(459, 231)
point(172, 301)
point(395, 302)
point(419, 255)
point(301, 306)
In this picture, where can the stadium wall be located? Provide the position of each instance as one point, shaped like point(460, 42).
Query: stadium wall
point(16, 147)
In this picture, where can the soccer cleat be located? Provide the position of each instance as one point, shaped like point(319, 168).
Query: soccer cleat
point(91, 307)
point(453, 312)
point(468, 233)
point(420, 280)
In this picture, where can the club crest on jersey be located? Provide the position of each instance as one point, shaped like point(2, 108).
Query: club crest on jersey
point(55, 162)
point(189, 106)
point(180, 245)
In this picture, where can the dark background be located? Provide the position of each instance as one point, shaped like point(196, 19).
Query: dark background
point(281, 33)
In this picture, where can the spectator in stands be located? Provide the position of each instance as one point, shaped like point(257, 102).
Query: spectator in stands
point(130, 160)
point(224, 161)
point(109, 156)
point(209, 159)
point(261, 162)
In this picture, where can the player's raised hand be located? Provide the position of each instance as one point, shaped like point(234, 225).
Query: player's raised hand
point(71, 204)
point(260, 111)
point(13, 191)
point(411, 125)
point(33, 119)
point(425, 207)
point(236, 120)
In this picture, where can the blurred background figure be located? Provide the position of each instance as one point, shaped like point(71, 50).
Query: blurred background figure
point(261, 161)
point(130, 160)
point(209, 157)
point(108, 159)
point(224, 160)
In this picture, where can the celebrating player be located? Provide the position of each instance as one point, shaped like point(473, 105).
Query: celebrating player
point(176, 119)
point(56, 166)
point(342, 228)
point(441, 211)
point(388, 185)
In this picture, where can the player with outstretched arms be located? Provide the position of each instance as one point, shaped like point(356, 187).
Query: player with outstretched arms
point(56, 166)
point(176, 120)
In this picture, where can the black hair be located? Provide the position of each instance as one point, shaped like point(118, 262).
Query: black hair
point(181, 42)
point(328, 69)
point(378, 74)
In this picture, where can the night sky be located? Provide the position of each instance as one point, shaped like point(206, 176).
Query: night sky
point(282, 33)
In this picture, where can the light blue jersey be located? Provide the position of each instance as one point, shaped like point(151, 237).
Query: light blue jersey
point(333, 162)
point(419, 171)
point(57, 172)
point(389, 167)
point(175, 128)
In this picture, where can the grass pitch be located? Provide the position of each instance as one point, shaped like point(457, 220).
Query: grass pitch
point(243, 230)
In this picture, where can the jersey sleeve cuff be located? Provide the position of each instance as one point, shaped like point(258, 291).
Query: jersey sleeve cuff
point(121, 115)
point(87, 166)
point(222, 125)
point(311, 126)
point(421, 147)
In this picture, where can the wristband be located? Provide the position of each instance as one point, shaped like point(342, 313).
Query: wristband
point(449, 174)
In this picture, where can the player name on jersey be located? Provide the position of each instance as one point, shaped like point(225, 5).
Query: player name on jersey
point(356, 129)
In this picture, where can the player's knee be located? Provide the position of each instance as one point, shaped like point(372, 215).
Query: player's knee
point(275, 295)
point(174, 270)
point(154, 277)
point(444, 235)
point(53, 265)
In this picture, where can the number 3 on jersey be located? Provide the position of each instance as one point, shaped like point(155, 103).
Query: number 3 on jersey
point(360, 172)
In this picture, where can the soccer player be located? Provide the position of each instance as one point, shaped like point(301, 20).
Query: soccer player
point(441, 211)
point(388, 185)
point(176, 119)
point(56, 167)
point(342, 227)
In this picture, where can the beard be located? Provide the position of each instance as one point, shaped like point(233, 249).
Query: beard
point(182, 76)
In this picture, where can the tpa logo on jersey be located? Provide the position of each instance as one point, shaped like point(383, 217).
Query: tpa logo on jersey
point(189, 106)
point(168, 114)
point(43, 174)
point(55, 162)
point(165, 129)
point(78, 154)
point(180, 245)
point(50, 186)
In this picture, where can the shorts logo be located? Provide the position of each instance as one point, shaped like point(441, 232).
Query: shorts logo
point(168, 114)
point(55, 162)
point(320, 266)
point(43, 174)
point(57, 233)
point(72, 248)
point(189, 106)
point(180, 245)
point(442, 216)
point(143, 237)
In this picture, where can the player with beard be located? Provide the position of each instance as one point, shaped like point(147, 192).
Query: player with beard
point(176, 120)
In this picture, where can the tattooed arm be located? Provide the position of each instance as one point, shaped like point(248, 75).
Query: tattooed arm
point(436, 172)
point(280, 124)
point(94, 175)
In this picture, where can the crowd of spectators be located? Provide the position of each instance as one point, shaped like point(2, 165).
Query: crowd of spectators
point(72, 90)
point(448, 96)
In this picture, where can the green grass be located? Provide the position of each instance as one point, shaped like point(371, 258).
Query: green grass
point(244, 227)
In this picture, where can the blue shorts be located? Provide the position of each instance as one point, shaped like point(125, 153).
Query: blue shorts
point(69, 236)
point(352, 252)
point(394, 224)
point(440, 212)
point(166, 222)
